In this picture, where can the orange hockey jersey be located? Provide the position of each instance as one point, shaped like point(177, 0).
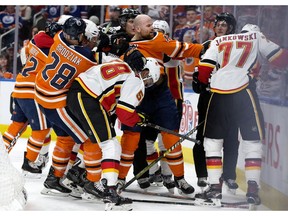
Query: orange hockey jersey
point(25, 81)
point(161, 44)
point(65, 62)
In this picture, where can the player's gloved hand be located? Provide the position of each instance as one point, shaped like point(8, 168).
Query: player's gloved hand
point(120, 43)
point(119, 36)
point(144, 119)
point(206, 46)
point(197, 86)
point(135, 59)
point(104, 45)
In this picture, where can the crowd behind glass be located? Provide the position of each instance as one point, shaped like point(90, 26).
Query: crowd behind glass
point(184, 21)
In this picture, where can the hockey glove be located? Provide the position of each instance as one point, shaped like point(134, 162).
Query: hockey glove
point(120, 43)
point(144, 119)
point(197, 86)
point(206, 46)
point(135, 59)
point(104, 45)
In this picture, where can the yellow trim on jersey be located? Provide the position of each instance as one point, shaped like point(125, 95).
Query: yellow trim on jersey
point(106, 122)
point(87, 117)
point(256, 113)
point(125, 108)
point(206, 64)
point(207, 110)
point(85, 88)
point(219, 91)
point(276, 55)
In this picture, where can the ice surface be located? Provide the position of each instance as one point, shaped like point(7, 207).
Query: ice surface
point(39, 202)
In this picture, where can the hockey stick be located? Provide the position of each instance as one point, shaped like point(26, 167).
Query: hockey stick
point(168, 131)
point(223, 205)
point(174, 196)
point(13, 142)
point(159, 158)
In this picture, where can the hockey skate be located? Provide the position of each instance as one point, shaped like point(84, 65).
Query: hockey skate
point(230, 184)
point(77, 175)
point(168, 183)
point(30, 169)
point(53, 187)
point(202, 183)
point(144, 183)
point(183, 187)
point(252, 195)
point(76, 191)
point(211, 197)
point(75, 181)
point(42, 160)
point(93, 191)
point(113, 201)
point(156, 178)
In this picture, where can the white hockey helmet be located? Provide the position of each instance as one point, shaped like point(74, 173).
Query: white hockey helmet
point(63, 18)
point(151, 72)
point(91, 29)
point(162, 25)
point(250, 27)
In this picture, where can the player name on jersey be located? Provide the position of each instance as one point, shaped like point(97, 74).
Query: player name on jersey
point(70, 56)
point(236, 37)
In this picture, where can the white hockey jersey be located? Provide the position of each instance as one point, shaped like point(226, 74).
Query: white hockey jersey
point(234, 56)
point(117, 88)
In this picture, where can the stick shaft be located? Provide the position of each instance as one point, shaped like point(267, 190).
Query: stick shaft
point(160, 157)
point(169, 131)
point(13, 143)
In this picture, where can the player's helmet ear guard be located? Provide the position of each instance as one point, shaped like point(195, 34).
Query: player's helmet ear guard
point(74, 27)
point(154, 72)
point(229, 19)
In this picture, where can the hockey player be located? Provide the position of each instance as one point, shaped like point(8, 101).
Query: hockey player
point(128, 31)
point(74, 176)
point(225, 24)
point(93, 97)
point(158, 102)
point(25, 108)
point(120, 40)
point(117, 44)
point(234, 98)
point(115, 40)
point(158, 174)
point(66, 60)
